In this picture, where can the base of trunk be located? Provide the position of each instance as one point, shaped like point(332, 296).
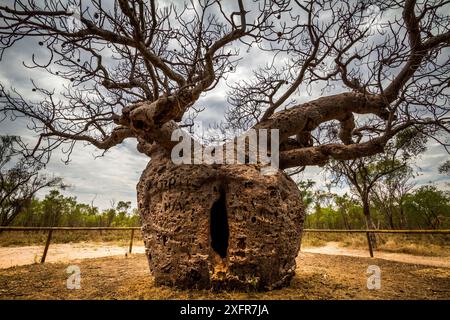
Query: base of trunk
point(221, 227)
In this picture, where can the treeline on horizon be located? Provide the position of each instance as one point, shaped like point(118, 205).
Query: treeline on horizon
point(57, 210)
point(425, 207)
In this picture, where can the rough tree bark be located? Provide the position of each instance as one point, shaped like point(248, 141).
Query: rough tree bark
point(220, 226)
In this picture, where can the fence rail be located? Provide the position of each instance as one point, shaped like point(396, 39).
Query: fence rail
point(368, 232)
point(67, 228)
point(442, 231)
point(51, 229)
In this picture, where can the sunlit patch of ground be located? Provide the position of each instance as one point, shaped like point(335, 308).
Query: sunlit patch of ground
point(335, 248)
point(61, 252)
point(428, 245)
point(319, 276)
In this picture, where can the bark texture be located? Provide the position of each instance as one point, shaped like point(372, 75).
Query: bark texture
point(221, 227)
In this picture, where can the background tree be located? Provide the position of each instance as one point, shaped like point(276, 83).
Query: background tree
point(429, 207)
point(57, 210)
point(306, 192)
point(54, 207)
point(368, 173)
point(426, 207)
point(389, 195)
point(346, 207)
point(122, 209)
point(19, 180)
point(334, 211)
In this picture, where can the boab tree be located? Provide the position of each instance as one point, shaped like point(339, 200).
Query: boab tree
point(137, 69)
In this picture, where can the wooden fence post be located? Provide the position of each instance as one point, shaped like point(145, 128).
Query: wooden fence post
point(370, 244)
point(131, 241)
point(47, 244)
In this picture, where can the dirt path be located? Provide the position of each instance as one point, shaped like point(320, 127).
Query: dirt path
point(17, 256)
point(333, 248)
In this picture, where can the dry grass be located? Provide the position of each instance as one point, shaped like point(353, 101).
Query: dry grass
point(19, 238)
point(417, 244)
point(317, 277)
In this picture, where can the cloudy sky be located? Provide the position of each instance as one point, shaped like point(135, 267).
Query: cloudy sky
point(113, 177)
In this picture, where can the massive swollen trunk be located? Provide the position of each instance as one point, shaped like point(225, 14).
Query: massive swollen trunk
point(219, 226)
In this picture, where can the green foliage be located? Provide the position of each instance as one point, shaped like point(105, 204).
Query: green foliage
point(428, 207)
point(423, 208)
point(57, 210)
point(339, 212)
point(381, 181)
point(306, 193)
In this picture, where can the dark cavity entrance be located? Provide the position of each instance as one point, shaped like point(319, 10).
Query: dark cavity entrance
point(218, 226)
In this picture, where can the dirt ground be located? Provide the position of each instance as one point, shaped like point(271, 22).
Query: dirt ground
point(334, 248)
point(318, 276)
point(61, 252)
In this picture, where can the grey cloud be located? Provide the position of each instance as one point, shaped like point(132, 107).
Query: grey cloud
point(114, 176)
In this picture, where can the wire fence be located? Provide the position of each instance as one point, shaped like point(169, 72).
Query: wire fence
point(368, 233)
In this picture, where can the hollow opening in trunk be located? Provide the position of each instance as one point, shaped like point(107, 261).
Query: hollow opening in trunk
point(219, 226)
